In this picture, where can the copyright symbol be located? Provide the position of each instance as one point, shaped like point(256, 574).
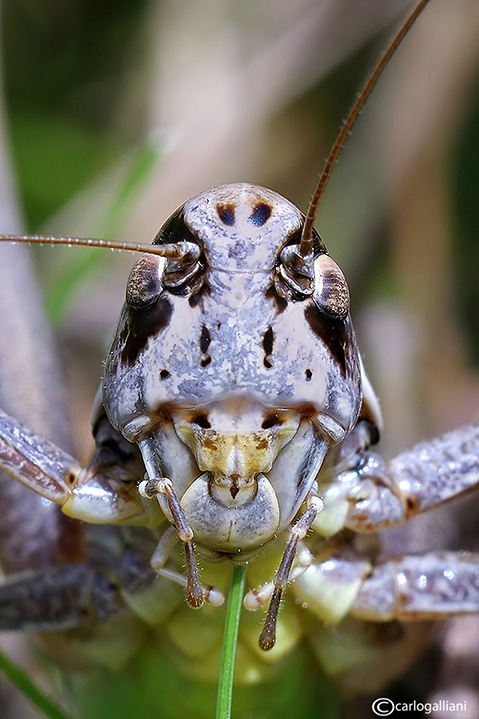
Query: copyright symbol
point(383, 707)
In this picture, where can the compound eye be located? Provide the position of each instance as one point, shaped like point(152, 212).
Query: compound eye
point(144, 284)
point(331, 291)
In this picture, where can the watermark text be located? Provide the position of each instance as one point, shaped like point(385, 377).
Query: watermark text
point(384, 707)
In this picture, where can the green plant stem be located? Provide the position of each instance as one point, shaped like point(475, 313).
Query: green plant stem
point(230, 639)
point(23, 682)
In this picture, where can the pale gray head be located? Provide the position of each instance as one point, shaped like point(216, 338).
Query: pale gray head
point(235, 365)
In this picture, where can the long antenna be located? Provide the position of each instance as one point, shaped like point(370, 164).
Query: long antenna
point(306, 242)
point(172, 251)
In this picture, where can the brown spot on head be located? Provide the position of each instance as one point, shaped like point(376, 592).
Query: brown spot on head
point(268, 339)
point(262, 444)
point(205, 339)
point(261, 214)
point(201, 420)
point(226, 213)
point(271, 420)
point(143, 324)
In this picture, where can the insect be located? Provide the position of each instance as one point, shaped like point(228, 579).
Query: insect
point(188, 437)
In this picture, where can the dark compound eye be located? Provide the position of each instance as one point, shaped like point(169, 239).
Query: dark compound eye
point(331, 291)
point(144, 283)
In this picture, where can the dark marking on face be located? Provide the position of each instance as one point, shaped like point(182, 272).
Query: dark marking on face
point(280, 302)
point(308, 374)
point(201, 420)
point(164, 374)
point(337, 335)
point(205, 339)
point(261, 214)
point(196, 297)
point(143, 324)
point(271, 421)
point(268, 339)
point(226, 213)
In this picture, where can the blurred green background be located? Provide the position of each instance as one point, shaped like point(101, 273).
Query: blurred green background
point(116, 112)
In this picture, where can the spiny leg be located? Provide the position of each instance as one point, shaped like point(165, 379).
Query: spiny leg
point(160, 557)
point(151, 488)
point(258, 597)
point(267, 637)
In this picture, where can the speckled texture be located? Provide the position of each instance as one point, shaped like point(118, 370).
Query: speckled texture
point(235, 343)
point(237, 315)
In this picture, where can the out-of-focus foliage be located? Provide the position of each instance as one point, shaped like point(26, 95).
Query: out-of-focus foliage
point(64, 68)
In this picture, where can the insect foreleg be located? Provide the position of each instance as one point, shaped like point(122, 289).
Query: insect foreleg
point(42, 466)
point(195, 594)
point(378, 494)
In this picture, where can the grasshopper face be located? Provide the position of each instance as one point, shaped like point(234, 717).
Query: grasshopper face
point(235, 368)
